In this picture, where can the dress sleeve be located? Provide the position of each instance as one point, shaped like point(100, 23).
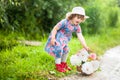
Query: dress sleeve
point(61, 24)
point(78, 30)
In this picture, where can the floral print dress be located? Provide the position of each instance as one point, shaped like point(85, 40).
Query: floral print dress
point(62, 38)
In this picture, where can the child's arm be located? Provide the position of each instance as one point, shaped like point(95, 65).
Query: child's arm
point(54, 31)
point(82, 40)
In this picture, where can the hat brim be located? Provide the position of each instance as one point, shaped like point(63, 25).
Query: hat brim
point(79, 14)
point(86, 17)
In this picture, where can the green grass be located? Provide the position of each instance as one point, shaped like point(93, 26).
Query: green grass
point(108, 39)
point(33, 63)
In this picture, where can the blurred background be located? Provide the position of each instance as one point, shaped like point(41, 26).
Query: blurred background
point(33, 20)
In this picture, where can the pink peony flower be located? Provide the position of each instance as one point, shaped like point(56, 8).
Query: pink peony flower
point(93, 56)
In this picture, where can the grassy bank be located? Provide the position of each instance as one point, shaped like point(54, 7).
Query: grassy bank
point(23, 62)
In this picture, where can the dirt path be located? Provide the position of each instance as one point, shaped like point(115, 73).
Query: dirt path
point(110, 68)
point(30, 43)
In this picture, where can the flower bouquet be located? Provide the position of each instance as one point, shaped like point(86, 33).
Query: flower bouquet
point(87, 63)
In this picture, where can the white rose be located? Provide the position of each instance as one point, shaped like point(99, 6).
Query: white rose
point(87, 68)
point(83, 55)
point(75, 60)
point(95, 64)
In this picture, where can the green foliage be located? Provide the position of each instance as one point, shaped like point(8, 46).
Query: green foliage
point(31, 17)
point(24, 62)
point(33, 63)
point(93, 24)
point(113, 17)
point(7, 42)
point(35, 18)
point(10, 40)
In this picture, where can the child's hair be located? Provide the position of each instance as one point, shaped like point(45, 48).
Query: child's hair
point(70, 16)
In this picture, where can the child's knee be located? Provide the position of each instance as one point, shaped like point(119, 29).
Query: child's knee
point(66, 50)
point(58, 52)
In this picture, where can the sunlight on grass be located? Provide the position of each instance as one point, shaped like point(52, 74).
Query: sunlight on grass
point(32, 62)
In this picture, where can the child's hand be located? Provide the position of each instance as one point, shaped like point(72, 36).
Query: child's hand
point(88, 49)
point(53, 41)
point(93, 56)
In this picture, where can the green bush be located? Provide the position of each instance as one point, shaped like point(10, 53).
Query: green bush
point(30, 17)
point(93, 24)
point(113, 16)
point(35, 18)
point(8, 41)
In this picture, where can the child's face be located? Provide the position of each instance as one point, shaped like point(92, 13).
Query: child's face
point(77, 20)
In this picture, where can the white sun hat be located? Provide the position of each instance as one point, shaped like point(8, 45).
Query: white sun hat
point(79, 10)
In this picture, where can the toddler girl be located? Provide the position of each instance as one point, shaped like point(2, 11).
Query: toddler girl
point(57, 44)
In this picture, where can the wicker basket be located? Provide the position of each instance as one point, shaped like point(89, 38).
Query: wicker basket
point(79, 68)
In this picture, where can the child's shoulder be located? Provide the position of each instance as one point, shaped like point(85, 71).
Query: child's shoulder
point(64, 21)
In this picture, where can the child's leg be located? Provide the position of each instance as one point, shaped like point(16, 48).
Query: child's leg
point(57, 51)
point(58, 65)
point(65, 54)
point(64, 58)
point(57, 60)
